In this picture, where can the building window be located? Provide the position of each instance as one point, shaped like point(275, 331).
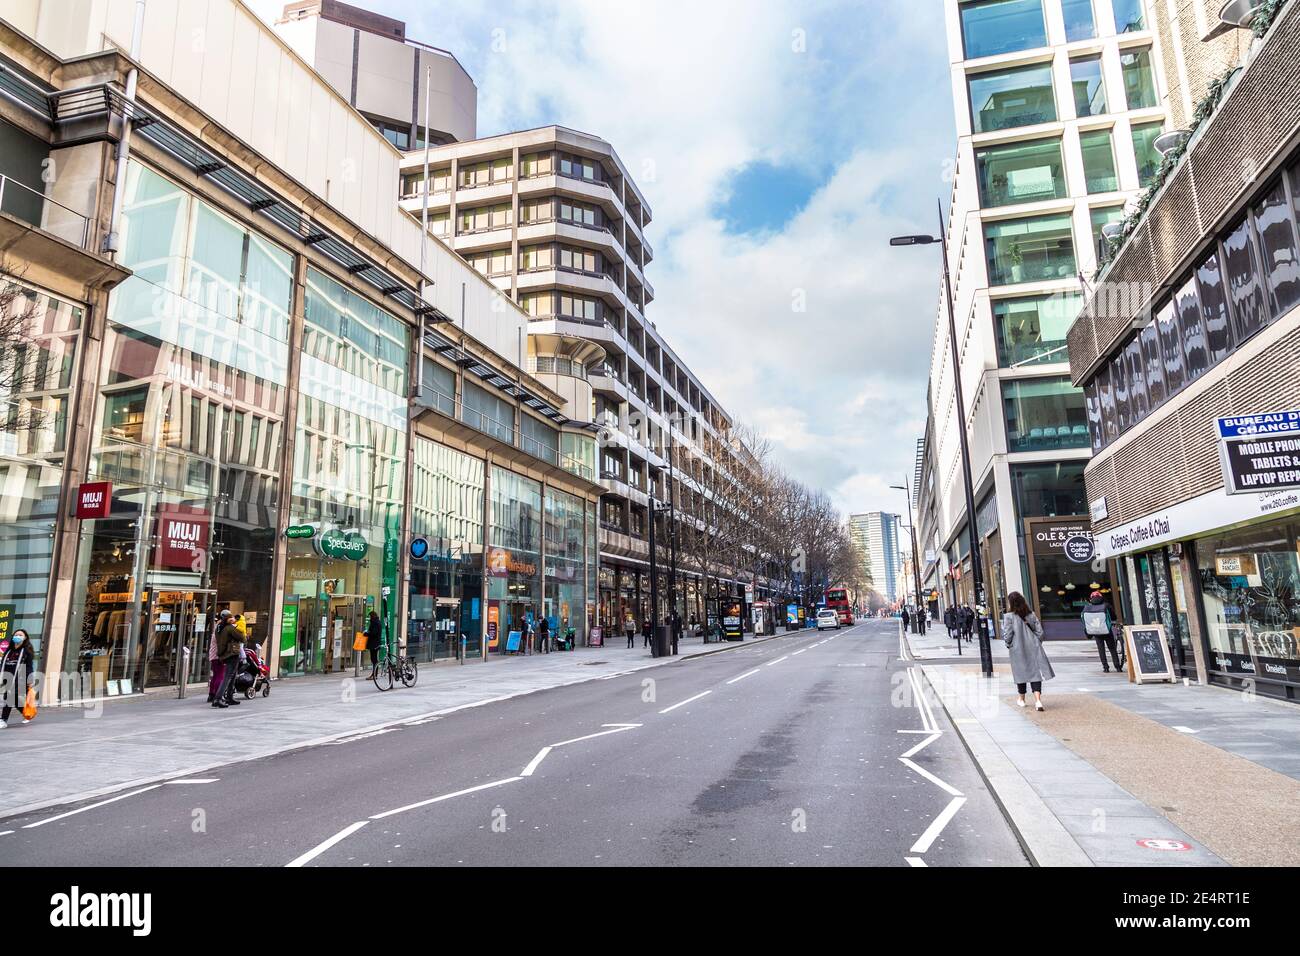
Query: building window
point(1101, 218)
point(1129, 16)
point(1137, 381)
point(579, 167)
point(494, 263)
point(484, 219)
point(539, 439)
point(535, 258)
point(1109, 413)
point(536, 164)
point(1145, 152)
point(990, 27)
point(1119, 389)
point(1139, 79)
point(1021, 172)
point(1029, 250)
point(1244, 287)
point(487, 412)
point(1172, 348)
point(1196, 358)
point(1214, 307)
point(1098, 161)
point(1044, 413)
point(1277, 245)
point(1089, 87)
point(1003, 99)
point(1154, 363)
point(579, 214)
point(1031, 331)
point(536, 210)
point(1079, 21)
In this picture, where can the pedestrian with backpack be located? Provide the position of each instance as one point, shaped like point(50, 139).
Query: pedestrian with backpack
point(1098, 625)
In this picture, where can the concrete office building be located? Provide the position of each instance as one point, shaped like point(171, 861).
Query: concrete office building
point(552, 218)
point(1058, 104)
point(1195, 318)
point(234, 392)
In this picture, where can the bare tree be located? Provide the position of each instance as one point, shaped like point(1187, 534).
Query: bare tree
point(23, 360)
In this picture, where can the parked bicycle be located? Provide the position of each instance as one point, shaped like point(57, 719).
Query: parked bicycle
point(394, 666)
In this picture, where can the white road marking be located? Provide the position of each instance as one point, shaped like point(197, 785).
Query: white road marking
point(532, 764)
point(743, 676)
point(618, 729)
point(445, 796)
point(798, 652)
point(6, 832)
point(336, 838)
point(915, 861)
point(193, 780)
point(1183, 730)
point(927, 717)
point(777, 661)
point(688, 700)
point(932, 778)
point(922, 745)
point(935, 828)
point(93, 806)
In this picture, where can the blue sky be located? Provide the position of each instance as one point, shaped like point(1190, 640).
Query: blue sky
point(779, 143)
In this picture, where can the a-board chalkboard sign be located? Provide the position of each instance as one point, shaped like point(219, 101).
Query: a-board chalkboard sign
point(1148, 653)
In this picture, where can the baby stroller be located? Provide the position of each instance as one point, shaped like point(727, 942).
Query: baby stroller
point(254, 675)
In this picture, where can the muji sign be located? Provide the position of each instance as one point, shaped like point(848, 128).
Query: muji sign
point(182, 538)
point(94, 499)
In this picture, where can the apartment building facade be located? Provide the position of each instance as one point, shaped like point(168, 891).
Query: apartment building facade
point(553, 219)
point(1058, 106)
point(1189, 356)
point(237, 388)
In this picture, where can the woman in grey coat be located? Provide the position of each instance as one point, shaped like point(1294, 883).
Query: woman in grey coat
point(1023, 635)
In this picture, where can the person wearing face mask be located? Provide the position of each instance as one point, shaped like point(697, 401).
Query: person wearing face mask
point(16, 668)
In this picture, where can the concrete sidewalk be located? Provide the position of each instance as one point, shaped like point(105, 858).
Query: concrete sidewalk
point(72, 753)
point(1120, 774)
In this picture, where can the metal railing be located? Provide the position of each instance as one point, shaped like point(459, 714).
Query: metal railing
point(23, 202)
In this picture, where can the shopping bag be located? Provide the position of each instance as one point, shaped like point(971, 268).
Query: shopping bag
point(29, 706)
point(359, 642)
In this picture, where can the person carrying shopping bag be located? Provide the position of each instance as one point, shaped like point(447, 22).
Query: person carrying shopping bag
point(16, 685)
point(1023, 635)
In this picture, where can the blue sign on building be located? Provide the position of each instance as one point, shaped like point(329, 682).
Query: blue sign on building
point(1264, 423)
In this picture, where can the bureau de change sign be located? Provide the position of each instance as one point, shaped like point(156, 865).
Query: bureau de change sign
point(1260, 452)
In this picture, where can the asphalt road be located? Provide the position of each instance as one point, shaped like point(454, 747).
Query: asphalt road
point(807, 750)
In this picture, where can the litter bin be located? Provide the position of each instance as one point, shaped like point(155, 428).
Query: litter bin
point(663, 642)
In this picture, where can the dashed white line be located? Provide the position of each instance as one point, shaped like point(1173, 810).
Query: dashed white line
point(777, 661)
point(931, 777)
point(1183, 730)
point(798, 652)
point(318, 850)
point(192, 780)
point(935, 828)
point(915, 861)
point(683, 703)
point(93, 806)
point(532, 764)
point(5, 832)
point(743, 676)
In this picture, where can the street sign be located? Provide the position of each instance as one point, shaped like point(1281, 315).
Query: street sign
point(94, 499)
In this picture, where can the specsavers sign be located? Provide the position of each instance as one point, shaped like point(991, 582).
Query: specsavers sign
point(347, 545)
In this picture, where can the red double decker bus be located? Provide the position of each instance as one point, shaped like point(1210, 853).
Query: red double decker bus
point(837, 599)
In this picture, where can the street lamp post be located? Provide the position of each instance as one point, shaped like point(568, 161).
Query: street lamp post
point(977, 575)
point(905, 487)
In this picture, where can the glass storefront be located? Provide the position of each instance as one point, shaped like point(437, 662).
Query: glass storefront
point(514, 562)
point(566, 584)
point(345, 522)
point(446, 591)
point(35, 392)
point(1163, 600)
point(1250, 580)
point(188, 431)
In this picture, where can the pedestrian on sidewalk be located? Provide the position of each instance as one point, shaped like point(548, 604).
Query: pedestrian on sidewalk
point(629, 626)
point(374, 638)
point(229, 643)
point(16, 667)
point(907, 618)
point(1023, 635)
point(645, 633)
point(950, 621)
point(543, 635)
point(967, 623)
point(215, 663)
point(1098, 625)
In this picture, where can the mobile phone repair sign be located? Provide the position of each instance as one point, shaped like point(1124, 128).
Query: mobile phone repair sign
point(1260, 452)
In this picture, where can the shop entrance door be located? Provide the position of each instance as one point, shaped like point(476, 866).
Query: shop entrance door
point(446, 629)
point(348, 614)
point(179, 628)
point(1163, 604)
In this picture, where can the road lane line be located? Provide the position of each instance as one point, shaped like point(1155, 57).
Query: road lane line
point(688, 700)
point(173, 783)
point(922, 745)
point(915, 861)
point(5, 832)
point(317, 851)
point(93, 806)
point(777, 661)
point(927, 720)
point(743, 676)
point(935, 828)
point(445, 796)
point(951, 791)
point(798, 652)
point(532, 764)
point(618, 729)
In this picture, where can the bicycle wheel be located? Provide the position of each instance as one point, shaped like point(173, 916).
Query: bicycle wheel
point(384, 676)
point(409, 673)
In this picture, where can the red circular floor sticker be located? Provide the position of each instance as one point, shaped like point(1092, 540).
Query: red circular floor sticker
point(1164, 844)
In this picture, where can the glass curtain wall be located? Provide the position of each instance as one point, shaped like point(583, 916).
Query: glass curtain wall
point(990, 27)
point(1021, 172)
point(566, 578)
point(446, 587)
point(1032, 330)
point(348, 475)
point(1044, 413)
point(1003, 99)
point(1030, 250)
point(514, 565)
point(188, 430)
